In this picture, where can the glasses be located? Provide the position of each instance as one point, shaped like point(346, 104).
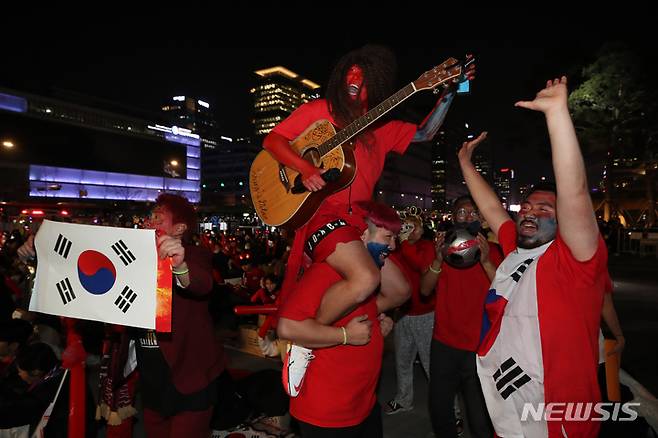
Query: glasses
point(462, 212)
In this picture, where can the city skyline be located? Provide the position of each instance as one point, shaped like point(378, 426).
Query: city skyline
point(145, 70)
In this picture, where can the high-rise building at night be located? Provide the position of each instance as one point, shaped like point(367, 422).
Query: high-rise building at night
point(225, 178)
point(407, 179)
point(191, 113)
point(524, 189)
point(194, 115)
point(483, 163)
point(504, 184)
point(439, 169)
point(278, 93)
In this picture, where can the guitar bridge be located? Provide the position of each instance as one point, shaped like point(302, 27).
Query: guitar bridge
point(283, 177)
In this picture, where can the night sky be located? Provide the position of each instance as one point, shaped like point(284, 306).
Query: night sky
point(146, 65)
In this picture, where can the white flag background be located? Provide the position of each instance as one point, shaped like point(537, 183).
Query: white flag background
point(100, 273)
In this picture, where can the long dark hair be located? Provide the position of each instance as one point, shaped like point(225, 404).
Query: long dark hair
point(379, 72)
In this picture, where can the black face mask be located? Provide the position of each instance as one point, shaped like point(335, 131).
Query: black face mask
point(472, 227)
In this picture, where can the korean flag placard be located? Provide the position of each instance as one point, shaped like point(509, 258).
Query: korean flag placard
point(100, 273)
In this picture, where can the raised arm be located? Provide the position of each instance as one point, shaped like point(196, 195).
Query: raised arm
point(483, 195)
point(430, 276)
point(430, 126)
point(575, 213)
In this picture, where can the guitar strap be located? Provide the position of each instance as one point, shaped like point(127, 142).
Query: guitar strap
point(317, 237)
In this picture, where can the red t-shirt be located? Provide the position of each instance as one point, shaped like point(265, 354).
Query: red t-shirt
point(340, 383)
point(460, 296)
point(393, 136)
point(419, 256)
point(569, 300)
point(412, 277)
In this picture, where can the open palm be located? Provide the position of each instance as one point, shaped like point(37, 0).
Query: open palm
point(466, 151)
point(553, 96)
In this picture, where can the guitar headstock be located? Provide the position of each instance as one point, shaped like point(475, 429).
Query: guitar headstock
point(445, 73)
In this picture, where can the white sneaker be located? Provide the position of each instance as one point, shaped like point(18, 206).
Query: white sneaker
point(294, 368)
point(268, 347)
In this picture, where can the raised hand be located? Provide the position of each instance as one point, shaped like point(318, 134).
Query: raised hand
point(484, 248)
point(171, 247)
point(469, 74)
point(466, 151)
point(554, 96)
point(439, 241)
point(26, 250)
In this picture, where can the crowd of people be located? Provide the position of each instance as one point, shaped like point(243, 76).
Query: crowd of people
point(519, 325)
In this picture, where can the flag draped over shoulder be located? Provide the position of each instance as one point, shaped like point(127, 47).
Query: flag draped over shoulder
point(99, 273)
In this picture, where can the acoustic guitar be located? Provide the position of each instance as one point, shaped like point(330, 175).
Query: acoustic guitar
point(276, 190)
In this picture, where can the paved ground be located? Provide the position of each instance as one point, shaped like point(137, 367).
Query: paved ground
point(636, 300)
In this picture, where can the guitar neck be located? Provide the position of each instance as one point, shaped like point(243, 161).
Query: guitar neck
point(360, 124)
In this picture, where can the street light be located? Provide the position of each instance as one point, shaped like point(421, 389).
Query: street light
point(8, 144)
point(173, 163)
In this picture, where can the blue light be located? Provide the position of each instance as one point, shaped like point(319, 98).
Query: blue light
point(193, 152)
point(105, 185)
point(182, 139)
point(13, 103)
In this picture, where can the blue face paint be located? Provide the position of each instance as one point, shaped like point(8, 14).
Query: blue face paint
point(378, 252)
point(546, 231)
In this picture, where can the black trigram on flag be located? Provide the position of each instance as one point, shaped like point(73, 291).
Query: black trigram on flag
point(509, 379)
point(65, 290)
point(123, 252)
point(125, 299)
point(62, 246)
point(516, 276)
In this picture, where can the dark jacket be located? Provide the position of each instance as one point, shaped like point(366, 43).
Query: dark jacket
point(194, 356)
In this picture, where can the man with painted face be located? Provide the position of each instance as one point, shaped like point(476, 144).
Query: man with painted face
point(360, 80)
point(460, 297)
point(540, 343)
point(338, 398)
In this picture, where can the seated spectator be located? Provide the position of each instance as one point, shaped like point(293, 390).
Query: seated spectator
point(41, 373)
point(14, 334)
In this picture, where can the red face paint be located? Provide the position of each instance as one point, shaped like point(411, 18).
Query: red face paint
point(355, 86)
